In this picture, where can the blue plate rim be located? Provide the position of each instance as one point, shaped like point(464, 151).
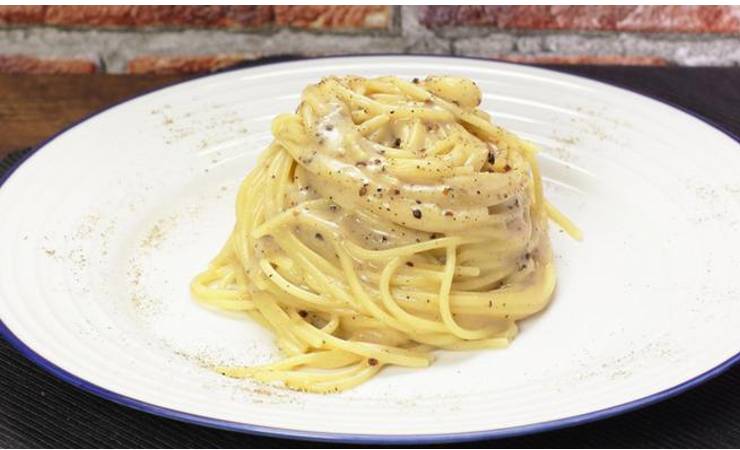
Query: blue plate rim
point(352, 438)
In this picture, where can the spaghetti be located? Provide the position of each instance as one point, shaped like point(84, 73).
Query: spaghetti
point(387, 219)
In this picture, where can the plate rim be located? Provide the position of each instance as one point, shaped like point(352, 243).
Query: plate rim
point(358, 438)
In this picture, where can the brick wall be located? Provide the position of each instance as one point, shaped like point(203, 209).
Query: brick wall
point(192, 39)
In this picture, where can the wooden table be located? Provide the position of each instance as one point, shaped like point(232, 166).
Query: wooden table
point(39, 410)
point(32, 108)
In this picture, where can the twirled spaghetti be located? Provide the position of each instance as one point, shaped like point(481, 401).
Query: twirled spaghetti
point(387, 219)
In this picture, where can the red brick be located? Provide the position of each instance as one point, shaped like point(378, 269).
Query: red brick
point(141, 16)
point(183, 63)
point(586, 59)
point(683, 19)
point(18, 64)
point(21, 14)
point(333, 17)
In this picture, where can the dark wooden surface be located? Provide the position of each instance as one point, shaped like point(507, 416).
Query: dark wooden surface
point(37, 410)
point(32, 108)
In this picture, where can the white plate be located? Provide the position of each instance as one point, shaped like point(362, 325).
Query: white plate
point(104, 227)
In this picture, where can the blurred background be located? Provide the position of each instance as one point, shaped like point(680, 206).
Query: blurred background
point(195, 39)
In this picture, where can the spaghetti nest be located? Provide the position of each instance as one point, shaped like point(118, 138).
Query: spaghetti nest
point(387, 219)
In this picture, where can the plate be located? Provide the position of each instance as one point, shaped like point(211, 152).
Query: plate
point(104, 226)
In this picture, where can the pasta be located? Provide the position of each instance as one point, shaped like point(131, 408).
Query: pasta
point(387, 219)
